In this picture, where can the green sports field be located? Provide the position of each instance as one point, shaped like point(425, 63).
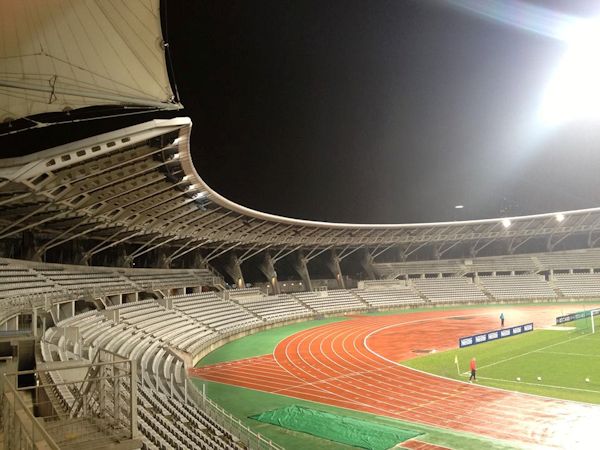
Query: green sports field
point(563, 358)
point(244, 403)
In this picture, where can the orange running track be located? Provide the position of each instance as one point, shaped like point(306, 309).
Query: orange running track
point(353, 364)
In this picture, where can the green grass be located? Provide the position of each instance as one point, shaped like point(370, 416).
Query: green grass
point(245, 402)
point(563, 359)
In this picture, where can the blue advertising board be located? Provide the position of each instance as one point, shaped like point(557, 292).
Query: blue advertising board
point(576, 316)
point(488, 336)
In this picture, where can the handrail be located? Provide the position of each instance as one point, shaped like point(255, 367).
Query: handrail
point(36, 431)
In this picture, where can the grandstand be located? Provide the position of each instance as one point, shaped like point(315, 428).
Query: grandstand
point(113, 248)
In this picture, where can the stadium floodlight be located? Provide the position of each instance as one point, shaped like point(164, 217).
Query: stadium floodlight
point(560, 217)
point(506, 223)
point(191, 187)
point(459, 207)
point(573, 92)
point(199, 195)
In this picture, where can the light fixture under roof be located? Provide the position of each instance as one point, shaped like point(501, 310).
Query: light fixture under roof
point(459, 207)
point(560, 217)
point(199, 195)
point(506, 223)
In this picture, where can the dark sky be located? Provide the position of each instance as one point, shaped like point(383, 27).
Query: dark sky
point(376, 111)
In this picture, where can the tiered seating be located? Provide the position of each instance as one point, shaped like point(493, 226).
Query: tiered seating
point(579, 284)
point(156, 278)
point(168, 326)
point(215, 312)
point(576, 259)
point(384, 298)
point(520, 263)
point(164, 421)
point(331, 301)
point(277, 307)
point(394, 270)
point(88, 281)
point(168, 423)
point(244, 293)
point(449, 289)
point(518, 287)
point(26, 278)
point(17, 281)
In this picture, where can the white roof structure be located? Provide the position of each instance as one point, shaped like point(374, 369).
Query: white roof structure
point(57, 55)
point(139, 185)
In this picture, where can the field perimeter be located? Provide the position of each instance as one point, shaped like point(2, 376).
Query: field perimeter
point(353, 364)
point(545, 362)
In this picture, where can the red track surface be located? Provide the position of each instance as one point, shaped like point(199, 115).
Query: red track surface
point(352, 364)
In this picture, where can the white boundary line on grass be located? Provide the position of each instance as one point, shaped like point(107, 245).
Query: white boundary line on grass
point(587, 355)
point(530, 352)
point(517, 393)
point(542, 385)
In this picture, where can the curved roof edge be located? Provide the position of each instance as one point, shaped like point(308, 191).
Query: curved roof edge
point(142, 181)
point(196, 179)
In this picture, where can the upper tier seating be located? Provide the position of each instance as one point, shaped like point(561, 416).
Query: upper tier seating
point(18, 281)
point(384, 298)
point(88, 281)
point(331, 301)
point(214, 312)
point(518, 287)
point(578, 284)
point(277, 307)
point(524, 263)
point(449, 289)
point(26, 278)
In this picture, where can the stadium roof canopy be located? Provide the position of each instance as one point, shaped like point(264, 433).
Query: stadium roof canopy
point(139, 185)
point(60, 55)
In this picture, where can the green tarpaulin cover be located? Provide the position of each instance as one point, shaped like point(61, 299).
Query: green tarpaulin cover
point(343, 429)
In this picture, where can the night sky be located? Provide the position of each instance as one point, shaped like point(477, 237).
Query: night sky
point(371, 111)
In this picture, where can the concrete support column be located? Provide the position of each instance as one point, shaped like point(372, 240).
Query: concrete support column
point(436, 252)
point(123, 259)
point(301, 266)
point(34, 328)
point(367, 264)
point(334, 266)
point(267, 267)
point(163, 262)
point(29, 247)
point(234, 270)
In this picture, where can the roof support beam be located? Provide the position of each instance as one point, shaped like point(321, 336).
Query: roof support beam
point(343, 254)
point(375, 254)
point(101, 247)
point(314, 253)
point(282, 253)
point(139, 253)
point(214, 253)
point(179, 253)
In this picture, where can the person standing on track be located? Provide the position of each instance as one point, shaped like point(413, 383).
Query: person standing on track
point(502, 320)
point(473, 366)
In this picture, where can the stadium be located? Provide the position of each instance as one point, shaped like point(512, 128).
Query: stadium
point(142, 309)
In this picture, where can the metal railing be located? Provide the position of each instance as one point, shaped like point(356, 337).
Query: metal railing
point(242, 432)
point(61, 406)
point(20, 427)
